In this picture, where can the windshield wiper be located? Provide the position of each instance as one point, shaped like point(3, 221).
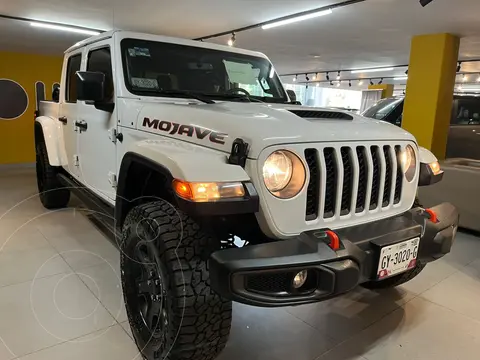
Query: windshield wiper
point(235, 97)
point(185, 94)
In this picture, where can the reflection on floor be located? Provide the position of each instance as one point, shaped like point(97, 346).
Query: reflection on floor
point(60, 298)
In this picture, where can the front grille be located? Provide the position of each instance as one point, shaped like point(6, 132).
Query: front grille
point(375, 178)
point(311, 157)
point(331, 182)
point(349, 176)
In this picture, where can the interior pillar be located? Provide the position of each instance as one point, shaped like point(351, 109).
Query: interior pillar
point(387, 89)
point(430, 86)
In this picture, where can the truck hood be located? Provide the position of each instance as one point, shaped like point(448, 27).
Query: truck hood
point(259, 124)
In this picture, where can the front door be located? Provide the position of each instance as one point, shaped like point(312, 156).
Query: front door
point(69, 111)
point(96, 147)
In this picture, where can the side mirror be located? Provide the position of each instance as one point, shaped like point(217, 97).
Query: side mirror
point(90, 86)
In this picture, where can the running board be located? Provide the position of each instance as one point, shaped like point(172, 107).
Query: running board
point(103, 212)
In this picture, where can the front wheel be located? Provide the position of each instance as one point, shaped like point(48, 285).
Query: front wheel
point(166, 285)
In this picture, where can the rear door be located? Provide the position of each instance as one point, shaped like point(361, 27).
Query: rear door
point(97, 147)
point(69, 110)
point(464, 135)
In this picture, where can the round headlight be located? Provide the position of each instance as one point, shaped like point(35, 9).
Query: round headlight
point(408, 162)
point(283, 174)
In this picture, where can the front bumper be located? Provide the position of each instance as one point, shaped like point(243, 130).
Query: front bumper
point(261, 275)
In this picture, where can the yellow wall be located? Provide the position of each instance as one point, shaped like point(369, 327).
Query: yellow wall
point(387, 89)
point(16, 136)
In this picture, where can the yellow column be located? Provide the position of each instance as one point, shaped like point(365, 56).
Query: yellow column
point(387, 89)
point(430, 86)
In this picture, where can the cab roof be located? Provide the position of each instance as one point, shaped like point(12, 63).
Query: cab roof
point(135, 35)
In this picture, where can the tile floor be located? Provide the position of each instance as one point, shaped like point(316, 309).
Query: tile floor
point(60, 298)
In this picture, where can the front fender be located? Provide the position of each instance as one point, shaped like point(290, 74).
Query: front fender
point(189, 162)
point(52, 133)
point(426, 156)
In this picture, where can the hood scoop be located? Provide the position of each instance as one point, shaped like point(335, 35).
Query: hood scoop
point(316, 114)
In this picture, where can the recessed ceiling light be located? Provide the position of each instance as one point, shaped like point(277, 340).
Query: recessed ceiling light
point(296, 19)
point(372, 70)
point(64, 28)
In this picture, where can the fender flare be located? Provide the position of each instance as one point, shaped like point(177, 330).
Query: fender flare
point(175, 161)
point(190, 162)
point(52, 133)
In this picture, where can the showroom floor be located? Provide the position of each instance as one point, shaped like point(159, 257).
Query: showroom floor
point(60, 298)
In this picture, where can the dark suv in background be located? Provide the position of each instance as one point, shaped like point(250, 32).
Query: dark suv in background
point(464, 135)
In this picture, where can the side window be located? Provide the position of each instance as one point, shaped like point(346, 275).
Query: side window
point(100, 60)
point(467, 112)
point(73, 66)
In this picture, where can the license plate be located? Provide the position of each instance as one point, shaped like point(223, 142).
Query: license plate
point(395, 259)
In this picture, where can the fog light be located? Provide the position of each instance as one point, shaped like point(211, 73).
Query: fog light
point(300, 279)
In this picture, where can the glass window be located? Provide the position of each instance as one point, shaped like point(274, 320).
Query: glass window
point(382, 108)
point(163, 69)
point(73, 66)
point(468, 112)
point(100, 60)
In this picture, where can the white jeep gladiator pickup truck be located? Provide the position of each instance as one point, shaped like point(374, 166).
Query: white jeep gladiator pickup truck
point(188, 147)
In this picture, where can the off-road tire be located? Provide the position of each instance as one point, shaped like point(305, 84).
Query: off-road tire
point(53, 194)
point(400, 278)
point(199, 320)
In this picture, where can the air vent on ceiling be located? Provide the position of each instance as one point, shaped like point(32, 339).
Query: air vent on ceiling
point(314, 114)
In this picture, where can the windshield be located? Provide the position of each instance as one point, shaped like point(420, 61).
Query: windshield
point(382, 108)
point(162, 69)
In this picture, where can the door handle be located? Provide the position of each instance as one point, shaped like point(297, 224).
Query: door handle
point(63, 119)
point(82, 125)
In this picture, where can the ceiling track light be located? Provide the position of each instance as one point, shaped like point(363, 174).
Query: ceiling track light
point(338, 75)
point(464, 77)
point(371, 82)
point(295, 19)
point(232, 40)
point(380, 82)
point(315, 76)
point(372, 70)
point(349, 83)
point(327, 77)
point(307, 78)
point(406, 72)
point(295, 78)
point(360, 83)
point(459, 66)
point(331, 82)
point(338, 84)
point(65, 28)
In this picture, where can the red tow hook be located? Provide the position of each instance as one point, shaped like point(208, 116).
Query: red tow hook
point(431, 215)
point(334, 240)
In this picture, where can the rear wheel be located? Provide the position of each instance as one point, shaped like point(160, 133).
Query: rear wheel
point(172, 310)
point(52, 193)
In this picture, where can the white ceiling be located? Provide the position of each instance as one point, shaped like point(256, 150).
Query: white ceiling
point(369, 34)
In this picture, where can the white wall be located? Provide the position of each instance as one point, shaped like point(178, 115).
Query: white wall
point(326, 97)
